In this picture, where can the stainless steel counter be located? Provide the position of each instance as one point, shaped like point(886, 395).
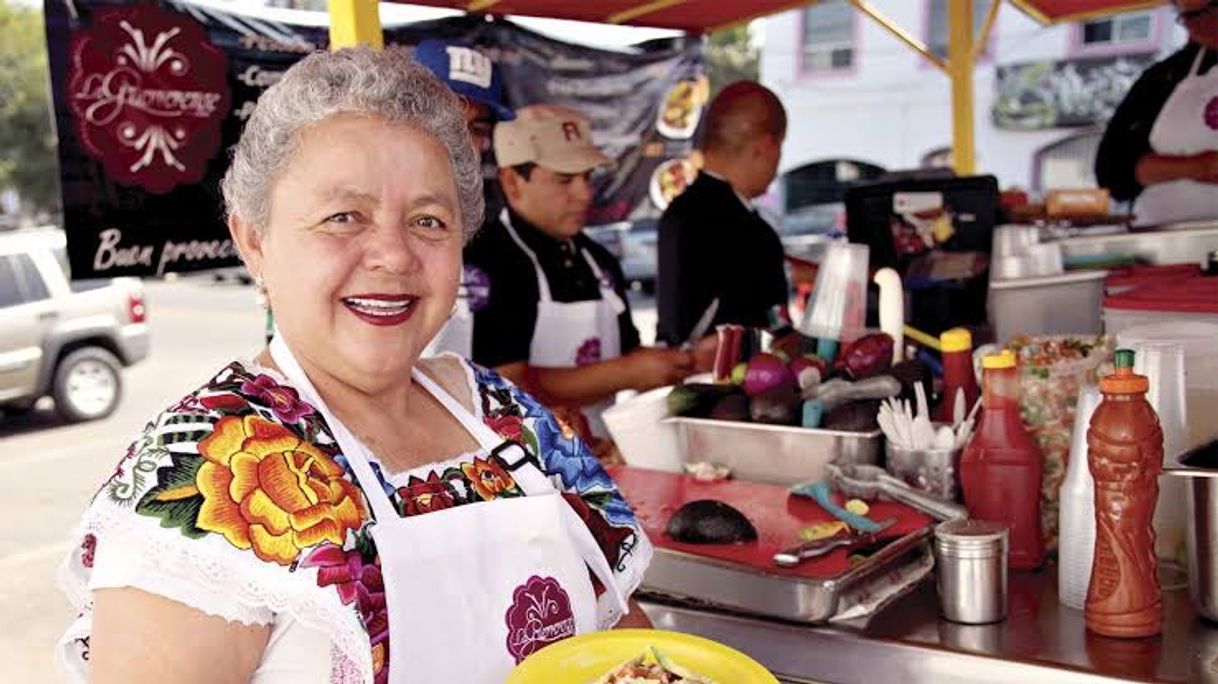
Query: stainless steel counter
point(1041, 640)
point(1175, 244)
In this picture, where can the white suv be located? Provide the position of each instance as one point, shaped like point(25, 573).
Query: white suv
point(67, 339)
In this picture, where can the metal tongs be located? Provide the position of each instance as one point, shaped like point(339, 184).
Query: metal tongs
point(869, 482)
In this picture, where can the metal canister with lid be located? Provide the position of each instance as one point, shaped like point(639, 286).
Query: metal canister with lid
point(971, 559)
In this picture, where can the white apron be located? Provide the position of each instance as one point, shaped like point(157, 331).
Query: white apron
point(473, 590)
point(570, 334)
point(1181, 129)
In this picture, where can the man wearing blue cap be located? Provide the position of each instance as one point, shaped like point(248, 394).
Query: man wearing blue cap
point(474, 77)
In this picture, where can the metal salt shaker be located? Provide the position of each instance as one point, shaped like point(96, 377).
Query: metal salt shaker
point(971, 560)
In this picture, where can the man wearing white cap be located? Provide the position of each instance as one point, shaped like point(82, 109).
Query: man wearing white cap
point(549, 303)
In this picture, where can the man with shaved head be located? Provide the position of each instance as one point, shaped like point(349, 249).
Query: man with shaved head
point(712, 242)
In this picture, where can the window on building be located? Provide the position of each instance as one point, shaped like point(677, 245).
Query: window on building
point(937, 25)
point(828, 36)
point(1122, 29)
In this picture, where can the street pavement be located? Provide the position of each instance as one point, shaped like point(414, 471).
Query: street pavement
point(49, 470)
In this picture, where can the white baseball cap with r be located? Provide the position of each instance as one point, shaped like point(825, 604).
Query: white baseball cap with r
point(558, 138)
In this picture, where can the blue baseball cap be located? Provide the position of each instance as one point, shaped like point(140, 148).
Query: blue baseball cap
point(467, 72)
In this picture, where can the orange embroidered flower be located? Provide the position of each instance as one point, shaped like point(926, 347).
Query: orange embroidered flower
point(265, 489)
point(488, 478)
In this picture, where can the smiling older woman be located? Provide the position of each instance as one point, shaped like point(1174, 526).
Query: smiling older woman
point(335, 509)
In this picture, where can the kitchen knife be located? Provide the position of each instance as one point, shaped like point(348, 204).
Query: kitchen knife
point(702, 326)
point(815, 549)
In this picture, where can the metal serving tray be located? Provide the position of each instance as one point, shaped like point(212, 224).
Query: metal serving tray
point(719, 584)
point(776, 454)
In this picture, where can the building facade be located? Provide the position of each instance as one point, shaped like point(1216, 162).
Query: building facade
point(1042, 94)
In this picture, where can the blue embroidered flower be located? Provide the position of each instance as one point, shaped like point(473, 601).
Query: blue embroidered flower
point(564, 456)
point(376, 470)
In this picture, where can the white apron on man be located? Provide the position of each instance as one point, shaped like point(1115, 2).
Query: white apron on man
point(571, 334)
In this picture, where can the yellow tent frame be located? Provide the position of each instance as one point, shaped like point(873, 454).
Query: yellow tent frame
point(357, 22)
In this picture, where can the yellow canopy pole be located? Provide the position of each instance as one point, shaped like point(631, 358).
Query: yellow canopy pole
point(960, 70)
point(355, 22)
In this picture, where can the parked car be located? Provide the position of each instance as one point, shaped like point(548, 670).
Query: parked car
point(66, 339)
point(634, 243)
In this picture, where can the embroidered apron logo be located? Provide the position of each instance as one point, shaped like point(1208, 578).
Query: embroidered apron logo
point(476, 285)
point(1211, 114)
point(540, 615)
point(149, 91)
point(589, 352)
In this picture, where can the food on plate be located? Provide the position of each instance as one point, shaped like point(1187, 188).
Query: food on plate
point(670, 179)
point(707, 472)
point(680, 104)
point(652, 667)
point(707, 521)
point(682, 108)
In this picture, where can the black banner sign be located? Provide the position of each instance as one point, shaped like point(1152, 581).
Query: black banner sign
point(149, 97)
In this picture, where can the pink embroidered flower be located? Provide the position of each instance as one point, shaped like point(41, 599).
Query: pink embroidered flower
point(87, 548)
point(284, 401)
point(362, 584)
point(356, 581)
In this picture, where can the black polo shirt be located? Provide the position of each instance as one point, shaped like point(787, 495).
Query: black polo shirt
point(502, 285)
point(1127, 138)
point(712, 245)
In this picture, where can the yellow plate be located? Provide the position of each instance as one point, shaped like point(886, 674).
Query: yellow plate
point(588, 657)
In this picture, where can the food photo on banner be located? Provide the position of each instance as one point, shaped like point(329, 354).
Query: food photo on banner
point(150, 96)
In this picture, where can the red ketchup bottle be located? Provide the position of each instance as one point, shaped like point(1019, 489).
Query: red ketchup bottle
point(1000, 469)
point(957, 348)
point(1125, 455)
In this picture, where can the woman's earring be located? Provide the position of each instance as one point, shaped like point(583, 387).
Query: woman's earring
point(260, 293)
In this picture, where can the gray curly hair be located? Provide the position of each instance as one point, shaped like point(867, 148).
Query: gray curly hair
point(387, 84)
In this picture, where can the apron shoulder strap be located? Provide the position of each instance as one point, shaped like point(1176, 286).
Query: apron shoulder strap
point(543, 284)
point(525, 468)
point(357, 454)
point(607, 292)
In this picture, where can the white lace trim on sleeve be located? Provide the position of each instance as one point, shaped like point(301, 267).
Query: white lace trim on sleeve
point(207, 574)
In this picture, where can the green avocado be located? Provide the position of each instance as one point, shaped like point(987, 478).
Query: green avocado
point(696, 400)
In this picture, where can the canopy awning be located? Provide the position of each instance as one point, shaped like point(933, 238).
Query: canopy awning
point(356, 21)
point(699, 16)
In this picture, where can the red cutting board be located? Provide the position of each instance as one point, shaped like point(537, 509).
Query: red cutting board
point(774, 511)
